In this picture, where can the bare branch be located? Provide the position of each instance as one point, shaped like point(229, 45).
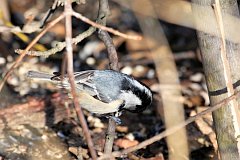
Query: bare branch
point(113, 64)
point(98, 24)
point(113, 31)
point(9, 29)
point(60, 45)
point(68, 24)
point(112, 53)
point(34, 41)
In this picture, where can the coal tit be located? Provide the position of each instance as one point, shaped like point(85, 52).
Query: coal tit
point(107, 86)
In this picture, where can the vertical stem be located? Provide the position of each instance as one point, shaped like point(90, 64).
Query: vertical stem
point(68, 24)
point(112, 53)
point(113, 64)
point(110, 135)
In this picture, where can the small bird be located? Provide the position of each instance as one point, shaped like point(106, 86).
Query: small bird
point(108, 86)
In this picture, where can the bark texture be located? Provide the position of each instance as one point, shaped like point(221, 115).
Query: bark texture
point(211, 48)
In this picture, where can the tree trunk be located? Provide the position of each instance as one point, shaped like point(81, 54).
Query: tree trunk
point(225, 125)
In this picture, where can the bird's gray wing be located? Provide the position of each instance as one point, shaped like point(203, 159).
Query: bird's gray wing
point(84, 82)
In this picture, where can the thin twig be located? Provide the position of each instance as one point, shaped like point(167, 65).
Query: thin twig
point(49, 12)
point(175, 128)
point(9, 29)
point(113, 64)
point(112, 53)
point(33, 42)
point(226, 67)
point(60, 45)
point(113, 31)
point(68, 24)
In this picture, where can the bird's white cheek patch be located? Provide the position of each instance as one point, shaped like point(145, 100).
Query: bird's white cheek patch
point(131, 100)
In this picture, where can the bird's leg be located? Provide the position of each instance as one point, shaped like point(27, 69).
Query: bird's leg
point(115, 117)
point(117, 114)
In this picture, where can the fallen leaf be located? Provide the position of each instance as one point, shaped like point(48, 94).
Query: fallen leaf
point(125, 143)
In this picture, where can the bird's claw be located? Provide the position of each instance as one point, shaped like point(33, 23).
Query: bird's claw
point(116, 119)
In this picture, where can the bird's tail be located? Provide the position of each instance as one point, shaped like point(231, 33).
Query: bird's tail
point(39, 75)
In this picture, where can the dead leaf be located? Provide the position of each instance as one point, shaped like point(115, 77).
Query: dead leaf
point(125, 143)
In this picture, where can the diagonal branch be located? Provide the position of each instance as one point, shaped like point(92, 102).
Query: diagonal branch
point(111, 30)
point(176, 128)
point(33, 42)
point(98, 24)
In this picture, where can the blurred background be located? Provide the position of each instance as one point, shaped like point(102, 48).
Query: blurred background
point(36, 123)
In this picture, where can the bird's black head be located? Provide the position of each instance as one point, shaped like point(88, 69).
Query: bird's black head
point(141, 91)
point(145, 95)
